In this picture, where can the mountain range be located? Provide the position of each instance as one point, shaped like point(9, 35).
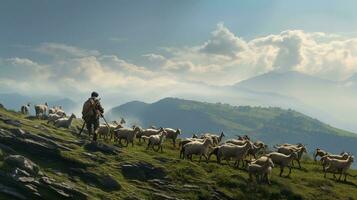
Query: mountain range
point(270, 124)
point(333, 102)
point(14, 101)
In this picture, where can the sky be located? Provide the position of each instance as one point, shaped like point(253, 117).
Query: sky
point(149, 49)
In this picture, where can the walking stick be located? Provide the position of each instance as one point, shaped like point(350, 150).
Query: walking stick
point(104, 120)
point(84, 123)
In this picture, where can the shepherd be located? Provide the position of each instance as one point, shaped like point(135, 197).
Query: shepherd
point(91, 112)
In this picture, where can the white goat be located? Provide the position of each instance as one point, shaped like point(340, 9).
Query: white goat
point(236, 142)
point(41, 110)
point(186, 141)
point(263, 169)
point(172, 134)
point(215, 138)
point(256, 148)
point(156, 140)
point(25, 109)
point(65, 122)
point(282, 160)
point(339, 166)
point(147, 132)
point(127, 134)
point(287, 150)
point(237, 152)
point(106, 130)
point(53, 117)
point(57, 110)
point(326, 159)
point(320, 152)
point(197, 148)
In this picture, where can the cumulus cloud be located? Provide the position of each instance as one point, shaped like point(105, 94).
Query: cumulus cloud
point(57, 49)
point(223, 42)
point(226, 58)
point(22, 69)
point(223, 59)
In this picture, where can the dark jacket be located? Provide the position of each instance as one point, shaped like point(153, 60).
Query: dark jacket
point(92, 109)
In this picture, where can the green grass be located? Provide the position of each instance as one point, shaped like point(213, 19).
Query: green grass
point(305, 183)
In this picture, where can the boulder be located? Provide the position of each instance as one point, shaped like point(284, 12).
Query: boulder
point(62, 190)
point(12, 122)
point(104, 148)
point(18, 132)
point(12, 192)
point(21, 162)
point(27, 142)
point(105, 182)
point(109, 183)
point(96, 158)
point(142, 171)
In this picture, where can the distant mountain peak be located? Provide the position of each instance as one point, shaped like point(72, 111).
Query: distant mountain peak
point(352, 78)
point(282, 79)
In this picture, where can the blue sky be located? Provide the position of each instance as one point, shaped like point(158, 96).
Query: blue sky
point(132, 28)
point(73, 47)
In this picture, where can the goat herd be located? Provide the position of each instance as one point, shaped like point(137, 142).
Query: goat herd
point(241, 149)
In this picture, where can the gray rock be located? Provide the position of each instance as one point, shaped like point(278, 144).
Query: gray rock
point(105, 182)
point(94, 157)
point(110, 183)
point(191, 187)
point(104, 148)
point(6, 149)
point(12, 122)
point(17, 139)
point(20, 172)
point(26, 179)
point(62, 189)
point(11, 192)
point(18, 161)
point(142, 171)
point(18, 132)
point(33, 189)
point(161, 196)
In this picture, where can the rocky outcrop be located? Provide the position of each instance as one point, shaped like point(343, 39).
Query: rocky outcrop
point(20, 162)
point(101, 147)
point(20, 140)
point(9, 121)
point(105, 182)
point(23, 179)
point(142, 171)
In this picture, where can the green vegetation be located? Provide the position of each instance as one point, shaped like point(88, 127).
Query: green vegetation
point(184, 179)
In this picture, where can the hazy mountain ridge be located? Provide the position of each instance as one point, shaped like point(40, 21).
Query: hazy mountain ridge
point(331, 101)
point(14, 101)
point(270, 124)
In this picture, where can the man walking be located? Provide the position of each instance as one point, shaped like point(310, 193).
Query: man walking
point(91, 112)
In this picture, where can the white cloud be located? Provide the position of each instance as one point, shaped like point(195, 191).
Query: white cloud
point(59, 50)
point(223, 42)
point(226, 58)
point(223, 59)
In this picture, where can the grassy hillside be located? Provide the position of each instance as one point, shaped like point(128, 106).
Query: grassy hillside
point(67, 159)
point(270, 124)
